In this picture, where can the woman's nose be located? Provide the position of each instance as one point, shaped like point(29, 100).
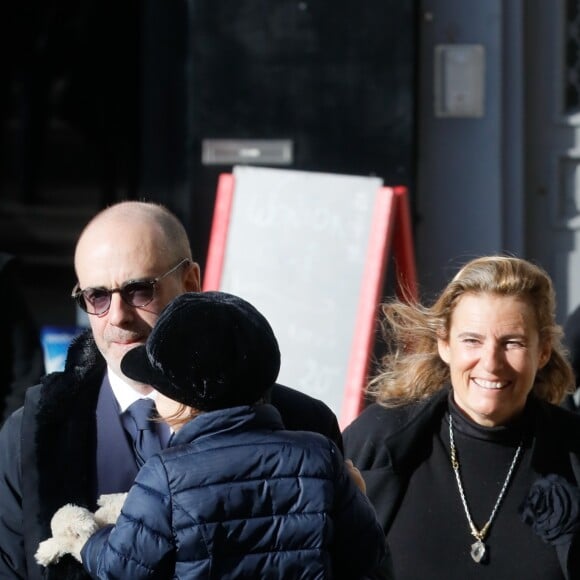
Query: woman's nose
point(492, 357)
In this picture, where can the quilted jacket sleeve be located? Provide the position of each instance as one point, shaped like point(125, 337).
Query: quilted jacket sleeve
point(360, 548)
point(140, 545)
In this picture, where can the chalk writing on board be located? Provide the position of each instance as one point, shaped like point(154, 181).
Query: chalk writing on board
point(296, 248)
point(310, 251)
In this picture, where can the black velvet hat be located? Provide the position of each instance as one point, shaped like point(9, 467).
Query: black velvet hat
point(208, 350)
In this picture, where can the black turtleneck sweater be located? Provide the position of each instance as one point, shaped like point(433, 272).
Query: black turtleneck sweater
point(430, 537)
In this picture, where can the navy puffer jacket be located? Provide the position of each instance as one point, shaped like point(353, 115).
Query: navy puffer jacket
point(237, 496)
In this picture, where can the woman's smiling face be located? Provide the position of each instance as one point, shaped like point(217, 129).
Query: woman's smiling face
point(494, 352)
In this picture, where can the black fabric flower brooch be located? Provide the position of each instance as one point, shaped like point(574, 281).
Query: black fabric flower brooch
point(552, 509)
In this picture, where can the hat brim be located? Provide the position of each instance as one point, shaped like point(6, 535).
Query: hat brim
point(136, 366)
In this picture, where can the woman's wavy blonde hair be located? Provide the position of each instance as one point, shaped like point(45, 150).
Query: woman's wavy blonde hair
point(412, 368)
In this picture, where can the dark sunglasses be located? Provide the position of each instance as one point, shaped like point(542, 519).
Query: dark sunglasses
point(135, 293)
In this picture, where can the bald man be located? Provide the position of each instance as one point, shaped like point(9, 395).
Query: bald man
point(70, 441)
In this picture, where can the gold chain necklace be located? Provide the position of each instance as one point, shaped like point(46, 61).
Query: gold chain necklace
point(478, 548)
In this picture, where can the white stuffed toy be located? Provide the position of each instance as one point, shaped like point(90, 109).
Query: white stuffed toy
point(109, 508)
point(73, 525)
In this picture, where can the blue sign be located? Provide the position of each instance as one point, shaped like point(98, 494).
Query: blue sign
point(55, 342)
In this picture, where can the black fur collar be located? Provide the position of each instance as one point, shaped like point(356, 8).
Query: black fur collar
point(59, 443)
point(60, 391)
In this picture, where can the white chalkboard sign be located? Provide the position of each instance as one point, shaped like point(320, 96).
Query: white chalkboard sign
point(309, 251)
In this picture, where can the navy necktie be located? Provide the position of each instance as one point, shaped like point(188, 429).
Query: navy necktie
point(137, 421)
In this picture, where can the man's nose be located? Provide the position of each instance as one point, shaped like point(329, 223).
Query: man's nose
point(119, 310)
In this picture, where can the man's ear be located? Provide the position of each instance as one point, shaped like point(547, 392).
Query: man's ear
point(192, 278)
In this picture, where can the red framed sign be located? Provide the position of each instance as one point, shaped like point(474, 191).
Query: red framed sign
point(310, 251)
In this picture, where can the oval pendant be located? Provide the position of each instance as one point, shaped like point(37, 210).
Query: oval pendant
point(477, 551)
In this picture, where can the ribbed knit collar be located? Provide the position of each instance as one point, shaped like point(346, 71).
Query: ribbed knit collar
point(511, 434)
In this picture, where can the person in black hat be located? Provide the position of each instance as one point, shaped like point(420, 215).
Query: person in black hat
point(235, 495)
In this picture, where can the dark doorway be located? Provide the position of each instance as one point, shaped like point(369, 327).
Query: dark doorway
point(69, 132)
point(334, 79)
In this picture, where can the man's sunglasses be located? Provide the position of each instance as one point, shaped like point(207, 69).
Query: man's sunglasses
point(135, 293)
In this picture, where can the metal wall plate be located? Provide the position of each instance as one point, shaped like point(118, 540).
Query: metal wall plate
point(247, 152)
point(459, 80)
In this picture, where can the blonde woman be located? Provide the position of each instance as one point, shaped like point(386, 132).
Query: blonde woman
point(470, 463)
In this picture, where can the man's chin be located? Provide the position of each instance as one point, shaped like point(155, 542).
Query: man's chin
point(139, 387)
point(116, 352)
